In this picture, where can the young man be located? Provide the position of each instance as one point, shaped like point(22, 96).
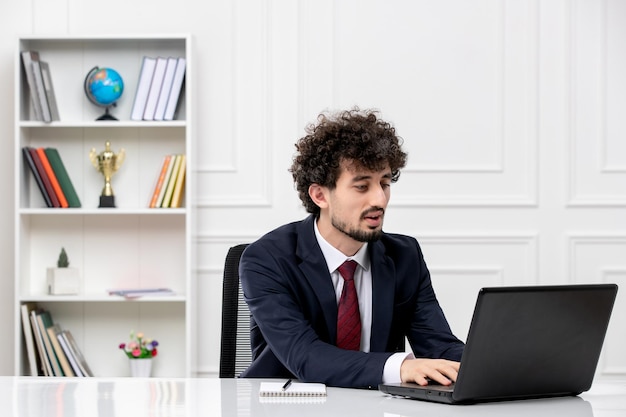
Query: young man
point(293, 279)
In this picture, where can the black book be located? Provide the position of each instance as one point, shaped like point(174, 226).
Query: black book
point(33, 168)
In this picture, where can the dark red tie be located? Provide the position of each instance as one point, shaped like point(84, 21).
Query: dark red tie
point(348, 317)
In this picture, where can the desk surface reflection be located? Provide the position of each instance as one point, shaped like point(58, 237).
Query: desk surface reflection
point(138, 397)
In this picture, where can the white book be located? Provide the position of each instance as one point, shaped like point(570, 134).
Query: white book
point(177, 85)
point(45, 362)
point(49, 88)
point(131, 293)
point(166, 87)
point(41, 91)
point(143, 87)
point(77, 353)
point(155, 88)
point(27, 60)
point(69, 354)
point(26, 309)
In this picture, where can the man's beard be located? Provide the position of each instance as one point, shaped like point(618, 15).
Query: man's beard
point(356, 234)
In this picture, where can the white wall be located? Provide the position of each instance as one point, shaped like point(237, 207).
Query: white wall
point(511, 112)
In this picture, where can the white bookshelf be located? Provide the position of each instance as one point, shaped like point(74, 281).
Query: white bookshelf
point(127, 246)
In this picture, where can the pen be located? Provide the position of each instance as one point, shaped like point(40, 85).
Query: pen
point(287, 384)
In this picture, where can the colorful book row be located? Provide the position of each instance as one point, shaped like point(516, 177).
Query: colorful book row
point(158, 89)
point(40, 85)
point(51, 350)
point(51, 177)
point(170, 183)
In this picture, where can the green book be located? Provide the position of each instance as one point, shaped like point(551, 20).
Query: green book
point(64, 179)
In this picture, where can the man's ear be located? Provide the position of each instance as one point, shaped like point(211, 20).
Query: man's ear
point(318, 195)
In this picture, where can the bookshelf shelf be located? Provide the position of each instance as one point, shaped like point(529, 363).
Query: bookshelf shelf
point(96, 298)
point(103, 212)
point(129, 246)
point(108, 125)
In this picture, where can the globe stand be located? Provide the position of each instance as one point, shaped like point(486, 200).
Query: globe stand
point(107, 115)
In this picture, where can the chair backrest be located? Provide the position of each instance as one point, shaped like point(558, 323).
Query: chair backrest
point(235, 352)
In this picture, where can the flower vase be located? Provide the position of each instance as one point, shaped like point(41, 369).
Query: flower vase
point(140, 367)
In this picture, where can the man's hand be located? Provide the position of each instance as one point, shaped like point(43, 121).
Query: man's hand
point(422, 370)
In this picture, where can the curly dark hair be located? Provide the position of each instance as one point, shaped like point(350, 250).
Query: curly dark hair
point(360, 137)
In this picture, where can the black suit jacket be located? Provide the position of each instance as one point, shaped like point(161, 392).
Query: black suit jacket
point(287, 286)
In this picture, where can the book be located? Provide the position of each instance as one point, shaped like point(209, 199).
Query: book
point(295, 389)
point(131, 293)
point(27, 62)
point(29, 337)
point(180, 183)
point(177, 85)
point(46, 368)
point(78, 354)
point(63, 177)
point(68, 353)
point(53, 332)
point(166, 87)
point(155, 88)
point(143, 87)
point(44, 320)
point(49, 90)
point(168, 174)
point(171, 182)
point(52, 177)
point(41, 90)
point(44, 178)
point(33, 168)
point(160, 181)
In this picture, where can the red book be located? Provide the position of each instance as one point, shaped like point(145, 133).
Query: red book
point(53, 178)
point(44, 178)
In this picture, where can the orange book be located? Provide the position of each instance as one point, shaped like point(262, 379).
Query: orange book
point(53, 178)
point(160, 181)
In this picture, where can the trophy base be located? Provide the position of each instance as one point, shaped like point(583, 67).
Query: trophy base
point(107, 201)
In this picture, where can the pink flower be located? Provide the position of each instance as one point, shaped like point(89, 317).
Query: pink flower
point(139, 346)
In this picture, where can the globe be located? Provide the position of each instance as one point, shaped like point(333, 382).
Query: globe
point(104, 87)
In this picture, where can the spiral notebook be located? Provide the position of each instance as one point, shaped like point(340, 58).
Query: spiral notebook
point(296, 389)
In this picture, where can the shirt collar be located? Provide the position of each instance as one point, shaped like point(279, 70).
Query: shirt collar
point(334, 257)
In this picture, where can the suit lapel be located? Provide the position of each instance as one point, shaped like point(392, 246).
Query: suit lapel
point(314, 268)
point(383, 288)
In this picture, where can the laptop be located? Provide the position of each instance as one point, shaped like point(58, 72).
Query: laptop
point(526, 342)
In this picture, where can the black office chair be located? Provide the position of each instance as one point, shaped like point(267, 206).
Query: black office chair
point(235, 352)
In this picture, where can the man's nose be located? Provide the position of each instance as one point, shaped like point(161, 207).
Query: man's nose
point(379, 197)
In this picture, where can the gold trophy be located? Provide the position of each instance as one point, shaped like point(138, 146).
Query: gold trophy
point(107, 163)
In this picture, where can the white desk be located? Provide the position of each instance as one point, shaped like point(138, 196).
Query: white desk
point(130, 397)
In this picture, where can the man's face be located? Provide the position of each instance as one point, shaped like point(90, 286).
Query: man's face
point(357, 205)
